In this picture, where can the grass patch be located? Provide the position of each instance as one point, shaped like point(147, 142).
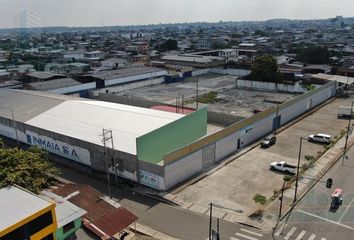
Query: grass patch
point(210, 97)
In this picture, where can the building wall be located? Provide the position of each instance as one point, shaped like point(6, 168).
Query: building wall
point(60, 235)
point(154, 145)
point(201, 154)
point(74, 89)
point(41, 233)
point(134, 78)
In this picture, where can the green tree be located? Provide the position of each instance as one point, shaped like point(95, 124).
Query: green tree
point(29, 169)
point(168, 45)
point(313, 55)
point(265, 68)
point(260, 199)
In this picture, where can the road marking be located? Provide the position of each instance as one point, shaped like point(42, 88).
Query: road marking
point(325, 219)
point(232, 238)
point(345, 211)
point(301, 235)
point(323, 239)
point(280, 230)
point(291, 232)
point(312, 237)
point(250, 232)
point(245, 236)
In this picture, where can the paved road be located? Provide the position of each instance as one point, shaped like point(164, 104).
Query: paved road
point(312, 218)
point(165, 218)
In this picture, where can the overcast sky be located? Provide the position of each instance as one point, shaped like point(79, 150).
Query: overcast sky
point(128, 12)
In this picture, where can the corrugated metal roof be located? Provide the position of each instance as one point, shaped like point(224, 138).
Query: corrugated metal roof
point(43, 75)
point(86, 119)
point(102, 218)
point(65, 211)
point(54, 84)
point(27, 104)
point(17, 204)
point(125, 72)
point(338, 78)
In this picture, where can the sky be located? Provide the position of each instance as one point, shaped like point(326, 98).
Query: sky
point(132, 12)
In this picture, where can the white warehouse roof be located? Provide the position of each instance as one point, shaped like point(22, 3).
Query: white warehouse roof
point(85, 120)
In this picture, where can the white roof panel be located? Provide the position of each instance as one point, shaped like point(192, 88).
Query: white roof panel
point(85, 120)
point(17, 204)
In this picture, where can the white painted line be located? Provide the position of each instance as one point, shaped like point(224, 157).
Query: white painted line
point(325, 219)
point(232, 238)
point(245, 236)
point(312, 237)
point(345, 211)
point(250, 232)
point(301, 235)
point(290, 233)
point(323, 239)
point(280, 230)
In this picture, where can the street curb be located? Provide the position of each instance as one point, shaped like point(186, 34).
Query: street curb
point(316, 181)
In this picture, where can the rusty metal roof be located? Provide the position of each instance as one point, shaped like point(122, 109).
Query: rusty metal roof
point(102, 217)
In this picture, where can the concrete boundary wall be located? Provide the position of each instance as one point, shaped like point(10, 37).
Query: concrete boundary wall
point(262, 121)
point(270, 86)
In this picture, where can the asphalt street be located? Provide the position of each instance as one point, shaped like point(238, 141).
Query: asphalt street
point(165, 218)
point(313, 219)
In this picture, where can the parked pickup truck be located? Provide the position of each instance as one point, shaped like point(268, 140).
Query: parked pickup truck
point(282, 166)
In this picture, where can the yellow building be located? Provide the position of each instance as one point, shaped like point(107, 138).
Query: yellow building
point(25, 216)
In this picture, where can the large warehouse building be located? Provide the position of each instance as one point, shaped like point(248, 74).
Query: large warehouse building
point(71, 128)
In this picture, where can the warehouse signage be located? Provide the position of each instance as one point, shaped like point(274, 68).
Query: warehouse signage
point(149, 179)
point(60, 148)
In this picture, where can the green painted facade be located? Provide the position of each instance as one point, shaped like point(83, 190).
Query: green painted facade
point(60, 235)
point(152, 146)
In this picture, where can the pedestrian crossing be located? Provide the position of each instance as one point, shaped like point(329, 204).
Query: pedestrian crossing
point(246, 234)
point(293, 233)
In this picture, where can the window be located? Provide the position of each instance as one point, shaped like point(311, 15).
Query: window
point(49, 237)
point(68, 227)
point(40, 223)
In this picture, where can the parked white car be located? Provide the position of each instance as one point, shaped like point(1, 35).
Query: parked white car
point(283, 166)
point(320, 138)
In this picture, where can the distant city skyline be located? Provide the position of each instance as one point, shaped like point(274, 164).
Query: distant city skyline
point(88, 13)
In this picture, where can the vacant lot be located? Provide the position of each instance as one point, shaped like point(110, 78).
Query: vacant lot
point(235, 184)
point(229, 100)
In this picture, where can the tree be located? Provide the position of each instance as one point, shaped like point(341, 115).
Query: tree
point(313, 55)
point(265, 69)
point(260, 199)
point(168, 45)
point(29, 169)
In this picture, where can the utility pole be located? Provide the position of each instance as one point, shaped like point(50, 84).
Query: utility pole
point(281, 200)
point(210, 219)
point(197, 92)
point(346, 138)
point(106, 137)
point(297, 170)
point(15, 126)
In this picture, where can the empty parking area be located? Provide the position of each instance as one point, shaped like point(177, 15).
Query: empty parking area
point(229, 100)
point(235, 184)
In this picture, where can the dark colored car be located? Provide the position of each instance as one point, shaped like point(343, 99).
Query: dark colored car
point(268, 141)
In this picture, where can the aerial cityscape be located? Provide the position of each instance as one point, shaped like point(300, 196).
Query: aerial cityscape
point(176, 120)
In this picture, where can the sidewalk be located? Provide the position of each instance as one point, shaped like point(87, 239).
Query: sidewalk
point(151, 232)
point(321, 166)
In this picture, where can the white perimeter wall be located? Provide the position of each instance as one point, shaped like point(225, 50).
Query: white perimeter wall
point(192, 163)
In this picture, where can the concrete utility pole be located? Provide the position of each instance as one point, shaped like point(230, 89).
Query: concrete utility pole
point(106, 137)
point(348, 131)
point(297, 170)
